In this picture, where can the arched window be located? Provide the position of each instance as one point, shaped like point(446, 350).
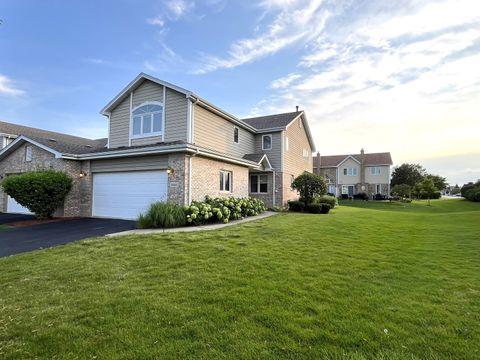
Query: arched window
point(147, 120)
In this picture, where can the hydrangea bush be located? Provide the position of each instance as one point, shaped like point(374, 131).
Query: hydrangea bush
point(224, 209)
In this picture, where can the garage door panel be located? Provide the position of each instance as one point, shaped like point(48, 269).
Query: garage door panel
point(15, 208)
point(127, 194)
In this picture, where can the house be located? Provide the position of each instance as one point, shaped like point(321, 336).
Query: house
point(356, 173)
point(166, 143)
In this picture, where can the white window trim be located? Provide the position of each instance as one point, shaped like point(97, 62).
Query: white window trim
point(350, 172)
point(28, 153)
point(151, 134)
point(223, 172)
point(258, 184)
point(374, 172)
point(286, 143)
point(238, 132)
point(271, 142)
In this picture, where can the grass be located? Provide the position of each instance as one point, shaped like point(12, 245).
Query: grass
point(368, 281)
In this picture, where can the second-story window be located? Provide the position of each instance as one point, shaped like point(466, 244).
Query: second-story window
point(235, 135)
point(375, 170)
point(350, 171)
point(147, 120)
point(305, 154)
point(266, 142)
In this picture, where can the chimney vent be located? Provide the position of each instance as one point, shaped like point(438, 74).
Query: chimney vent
point(297, 107)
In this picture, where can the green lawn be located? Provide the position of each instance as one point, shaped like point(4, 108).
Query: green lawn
point(368, 281)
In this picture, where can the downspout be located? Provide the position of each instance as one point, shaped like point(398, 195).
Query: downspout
point(274, 189)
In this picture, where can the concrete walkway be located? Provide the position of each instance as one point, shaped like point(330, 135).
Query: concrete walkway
point(194, 228)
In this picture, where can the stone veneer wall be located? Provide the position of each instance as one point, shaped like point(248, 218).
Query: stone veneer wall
point(178, 180)
point(43, 160)
point(205, 178)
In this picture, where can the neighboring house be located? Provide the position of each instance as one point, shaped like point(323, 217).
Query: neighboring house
point(167, 143)
point(6, 137)
point(356, 173)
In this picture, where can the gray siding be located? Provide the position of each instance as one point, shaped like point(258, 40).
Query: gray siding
point(152, 162)
point(274, 155)
point(214, 132)
point(175, 116)
point(147, 91)
point(120, 124)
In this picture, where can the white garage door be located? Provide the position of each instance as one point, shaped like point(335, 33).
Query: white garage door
point(16, 208)
point(125, 195)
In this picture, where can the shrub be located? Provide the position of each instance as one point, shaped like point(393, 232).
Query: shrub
point(222, 210)
point(327, 199)
point(309, 185)
point(379, 197)
point(471, 191)
point(325, 208)
point(42, 192)
point(361, 196)
point(296, 205)
point(402, 190)
point(162, 215)
point(344, 196)
point(314, 208)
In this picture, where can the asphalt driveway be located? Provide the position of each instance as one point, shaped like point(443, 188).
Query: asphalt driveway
point(23, 239)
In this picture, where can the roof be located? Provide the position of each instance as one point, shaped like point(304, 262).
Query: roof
point(272, 121)
point(55, 140)
point(254, 157)
point(383, 158)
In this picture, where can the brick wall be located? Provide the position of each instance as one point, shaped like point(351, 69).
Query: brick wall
point(43, 160)
point(206, 178)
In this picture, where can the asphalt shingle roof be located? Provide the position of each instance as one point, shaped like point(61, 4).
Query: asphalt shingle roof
point(370, 159)
point(271, 121)
point(254, 157)
point(63, 143)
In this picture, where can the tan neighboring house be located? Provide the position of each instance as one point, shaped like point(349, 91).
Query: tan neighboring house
point(355, 173)
point(164, 143)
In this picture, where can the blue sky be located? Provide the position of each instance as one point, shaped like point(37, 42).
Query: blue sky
point(397, 76)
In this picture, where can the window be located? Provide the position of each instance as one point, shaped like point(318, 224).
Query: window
point(375, 170)
point(147, 120)
point(286, 143)
point(305, 154)
point(378, 189)
point(258, 183)
point(235, 134)
point(28, 153)
point(226, 181)
point(350, 171)
point(266, 142)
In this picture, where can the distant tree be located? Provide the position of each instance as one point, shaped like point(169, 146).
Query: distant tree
point(439, 181)
point(425, 189)
point(402, 190)
point(309, 185)
point(409, 174)
point(455, 190)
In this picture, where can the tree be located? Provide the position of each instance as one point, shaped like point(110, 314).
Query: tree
point(42, 192)
point(309, 185)
point(439, 182)
point(409, 174)
point(402, 190)
point(455, 190)
point(426, 188)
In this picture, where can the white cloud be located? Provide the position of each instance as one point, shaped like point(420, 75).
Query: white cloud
point(157, 21)
point(289, 26)
point(7, 88)
point(178, 8)
point(408, 82)
point(284, 82)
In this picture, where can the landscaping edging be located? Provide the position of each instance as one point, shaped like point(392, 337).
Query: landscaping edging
point(193, 228)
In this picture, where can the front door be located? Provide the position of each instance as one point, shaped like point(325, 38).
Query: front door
point(350, 190)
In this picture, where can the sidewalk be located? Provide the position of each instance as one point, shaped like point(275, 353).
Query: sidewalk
point(193, 228)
